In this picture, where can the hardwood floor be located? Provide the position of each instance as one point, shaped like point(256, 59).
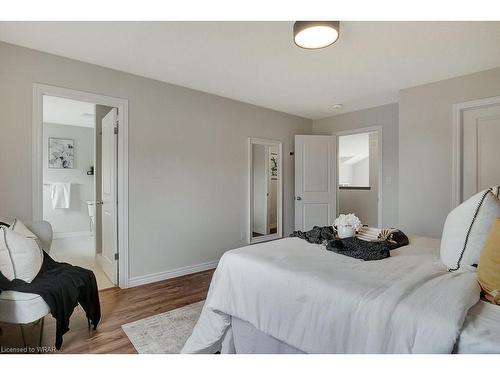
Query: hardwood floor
point(118, 306)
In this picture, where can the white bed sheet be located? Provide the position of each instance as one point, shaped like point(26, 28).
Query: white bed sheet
point(240, 288)
point(481, 330)
point(480, 333)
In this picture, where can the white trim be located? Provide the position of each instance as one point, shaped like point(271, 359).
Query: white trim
point(457, 146)
point(122, 104)
point(279, 231)
point(59, 235)
point(93, 225)
point(380, 145)
point(170, 274)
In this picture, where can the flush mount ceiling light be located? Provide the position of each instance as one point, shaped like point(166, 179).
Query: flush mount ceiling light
point(315, 34)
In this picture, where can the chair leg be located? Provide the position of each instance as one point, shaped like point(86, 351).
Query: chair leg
point(22, 334)
point(41, 332)
point(40, 337)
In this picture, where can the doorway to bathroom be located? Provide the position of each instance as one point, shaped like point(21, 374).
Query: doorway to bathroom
point(79, 177)
point(359, 171)
point(78, 168)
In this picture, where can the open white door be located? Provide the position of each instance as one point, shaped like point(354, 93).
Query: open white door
point(109, 196)
point(315, 180)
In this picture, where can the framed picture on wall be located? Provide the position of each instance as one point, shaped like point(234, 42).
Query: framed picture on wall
point(274, 166)
point(61, 153)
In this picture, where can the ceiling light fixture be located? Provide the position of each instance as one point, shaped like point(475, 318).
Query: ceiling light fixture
point(315, 34)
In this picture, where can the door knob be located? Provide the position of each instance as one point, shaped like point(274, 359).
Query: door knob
point(99, 203)
point(299, 198)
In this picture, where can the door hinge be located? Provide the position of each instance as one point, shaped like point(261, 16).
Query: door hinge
point(116, 129)
point(116, 256)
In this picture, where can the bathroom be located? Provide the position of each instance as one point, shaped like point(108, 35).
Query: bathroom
point(72, 182)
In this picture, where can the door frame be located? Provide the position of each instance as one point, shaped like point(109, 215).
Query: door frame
point(457, 143)
point(122, 163)
point(370, 129)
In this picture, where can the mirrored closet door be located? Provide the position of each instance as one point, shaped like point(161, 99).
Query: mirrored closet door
point(265, 187)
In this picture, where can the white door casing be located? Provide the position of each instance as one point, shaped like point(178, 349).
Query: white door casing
point(109, 217)
point(315, 185)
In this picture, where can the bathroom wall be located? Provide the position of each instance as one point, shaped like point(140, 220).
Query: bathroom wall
point(75, 220)
point(361, 173)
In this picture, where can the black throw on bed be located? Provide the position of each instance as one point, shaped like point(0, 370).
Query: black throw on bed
point(354, 247)
point(63, 287)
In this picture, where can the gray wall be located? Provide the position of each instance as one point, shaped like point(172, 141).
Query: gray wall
point(187, 149)
point(425, 147)
point(76, 217)
point(387, 117)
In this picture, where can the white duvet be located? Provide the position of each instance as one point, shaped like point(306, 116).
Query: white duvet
point(321, 302)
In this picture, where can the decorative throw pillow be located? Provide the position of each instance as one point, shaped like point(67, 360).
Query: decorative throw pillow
point(467, 227)
point(20, 256)
point(6, 266)
point(488, 270)
point(19, 227)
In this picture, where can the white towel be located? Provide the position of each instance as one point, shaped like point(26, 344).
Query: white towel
point(61, 194)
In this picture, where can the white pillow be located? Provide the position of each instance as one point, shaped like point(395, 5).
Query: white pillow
point(20, 256)
point(6, 266)
point(467, 227)
point(19, 227)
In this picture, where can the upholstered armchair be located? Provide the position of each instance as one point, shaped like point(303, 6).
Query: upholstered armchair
point(27, 308)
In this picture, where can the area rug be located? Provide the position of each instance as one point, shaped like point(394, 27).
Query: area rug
point(164, 333)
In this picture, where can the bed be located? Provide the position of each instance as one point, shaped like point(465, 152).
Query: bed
point(479, 335)
point(290, 296)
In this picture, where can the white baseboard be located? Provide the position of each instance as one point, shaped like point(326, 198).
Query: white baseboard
point(165, 275)
point(58, 235)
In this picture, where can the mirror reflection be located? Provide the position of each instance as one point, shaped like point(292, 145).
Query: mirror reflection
point(265, 197)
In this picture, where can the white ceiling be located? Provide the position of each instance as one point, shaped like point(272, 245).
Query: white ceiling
point(257, 62)
point(68, 112)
